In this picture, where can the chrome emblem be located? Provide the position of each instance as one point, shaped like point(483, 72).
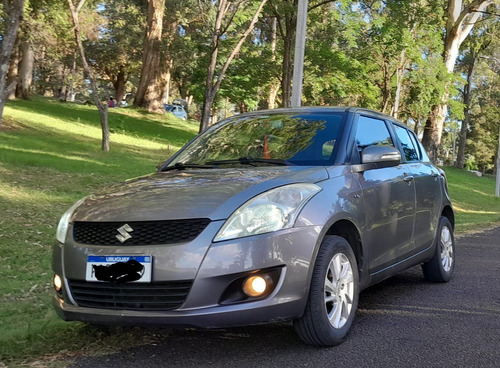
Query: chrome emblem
point(124, 233)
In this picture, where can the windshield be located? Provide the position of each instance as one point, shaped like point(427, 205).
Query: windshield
point(297, 139)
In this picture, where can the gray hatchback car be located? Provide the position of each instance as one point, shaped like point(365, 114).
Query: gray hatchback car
point(280, 215)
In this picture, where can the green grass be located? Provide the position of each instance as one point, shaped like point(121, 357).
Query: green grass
point(474, 201)
point(50, 157)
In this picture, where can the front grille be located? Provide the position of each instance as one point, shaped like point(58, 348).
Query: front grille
point(144, 232)
point(133, 296)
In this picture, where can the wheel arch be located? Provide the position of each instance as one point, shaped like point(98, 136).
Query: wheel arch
point(448, 213)
point(348, 230)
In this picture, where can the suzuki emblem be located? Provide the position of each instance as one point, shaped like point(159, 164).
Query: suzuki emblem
point(124, 233)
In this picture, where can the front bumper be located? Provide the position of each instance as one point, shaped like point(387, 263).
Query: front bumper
point(214, 317)
point(212, 269)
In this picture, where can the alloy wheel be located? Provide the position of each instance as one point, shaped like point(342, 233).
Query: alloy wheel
point(339, 290)
point(446, 249)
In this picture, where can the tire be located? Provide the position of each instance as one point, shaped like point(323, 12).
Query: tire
point(333, 295)
point(440, 267)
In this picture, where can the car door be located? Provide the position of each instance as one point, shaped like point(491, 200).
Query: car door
point(427, 188)
point(389, 201)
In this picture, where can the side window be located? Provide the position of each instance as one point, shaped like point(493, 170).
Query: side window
point(409, 149)
point(372, 132)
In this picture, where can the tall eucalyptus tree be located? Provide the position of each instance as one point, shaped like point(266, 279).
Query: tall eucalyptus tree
point(13, 14)
point(461, 17)
point(148, 93)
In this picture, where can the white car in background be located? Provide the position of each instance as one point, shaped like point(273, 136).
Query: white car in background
point(177, 110)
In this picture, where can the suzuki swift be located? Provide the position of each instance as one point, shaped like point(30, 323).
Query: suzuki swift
point(280, 215)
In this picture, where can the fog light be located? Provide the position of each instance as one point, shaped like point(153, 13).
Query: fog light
point(255, 286)
point(57, 283)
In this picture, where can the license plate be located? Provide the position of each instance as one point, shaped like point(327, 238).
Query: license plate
point(119, 269)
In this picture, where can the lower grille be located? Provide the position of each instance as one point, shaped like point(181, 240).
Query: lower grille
point(158, 296)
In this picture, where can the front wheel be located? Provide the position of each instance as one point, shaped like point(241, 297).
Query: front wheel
point(440, 267)
point(333, 295)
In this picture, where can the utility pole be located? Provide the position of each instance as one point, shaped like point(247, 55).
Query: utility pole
point(300, 45)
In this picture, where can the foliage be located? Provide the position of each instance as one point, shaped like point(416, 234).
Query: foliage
point(118, 49)
point(483, 138)
point(381, 54)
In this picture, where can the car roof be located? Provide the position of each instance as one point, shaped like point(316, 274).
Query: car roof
point(326, 109)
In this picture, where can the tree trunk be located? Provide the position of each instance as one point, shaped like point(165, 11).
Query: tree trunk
point(212, 87)
point(148, 90)
point(386, 87)
point(64, 87)
point(72, 84)
point(400, 73)
point(13, 73)
point(14, 11)
point(287, 65)
point(274, 85)
point(25, 70)
point(167, 80)
point(168, 62)
point(119, 85)
point(497, 185)
point(103, 108)
point(466, 122)
point(433, 129)
point(208, 101)
point(458, 26)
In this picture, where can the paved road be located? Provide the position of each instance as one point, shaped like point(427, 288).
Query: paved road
point(402, 322)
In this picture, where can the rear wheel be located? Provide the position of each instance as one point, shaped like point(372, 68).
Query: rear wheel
point(333, 295)
point(440, 267)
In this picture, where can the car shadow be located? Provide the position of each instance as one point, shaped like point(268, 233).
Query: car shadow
point(271, 345)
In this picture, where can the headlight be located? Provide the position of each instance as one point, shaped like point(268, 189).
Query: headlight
point(62, 228)
point(273, 210)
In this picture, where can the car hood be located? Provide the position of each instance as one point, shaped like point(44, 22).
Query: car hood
point(210, 193)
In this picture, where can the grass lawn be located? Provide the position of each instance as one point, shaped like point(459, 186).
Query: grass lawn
point(474, 201)
point(50, 157)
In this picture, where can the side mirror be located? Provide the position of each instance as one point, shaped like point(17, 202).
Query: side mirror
point(377, 157)
point(381, 155)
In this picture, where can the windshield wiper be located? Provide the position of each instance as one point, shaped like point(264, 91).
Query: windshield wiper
point(248, 161)
point(183, 166)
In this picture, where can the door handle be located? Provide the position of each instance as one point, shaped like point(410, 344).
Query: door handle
point(408, 178)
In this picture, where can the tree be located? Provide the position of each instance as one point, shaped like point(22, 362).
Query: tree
point(469, 62)
point(225, 10)
point(14, 14)
point(148, 91)
point(482, 142)
point(460, 19)
point(102, 108)
point(25, 77)
point(116, 53)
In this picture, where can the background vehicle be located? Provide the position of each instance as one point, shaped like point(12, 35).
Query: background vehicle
point(275, 215)
point(177, 110)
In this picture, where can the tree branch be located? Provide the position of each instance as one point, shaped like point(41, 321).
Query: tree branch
point(312, 7)
point(238, 46)
point(233, 13)
point(80, 5)
point(476, 13)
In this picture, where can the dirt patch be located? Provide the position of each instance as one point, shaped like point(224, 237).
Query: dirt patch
point(9, 124)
